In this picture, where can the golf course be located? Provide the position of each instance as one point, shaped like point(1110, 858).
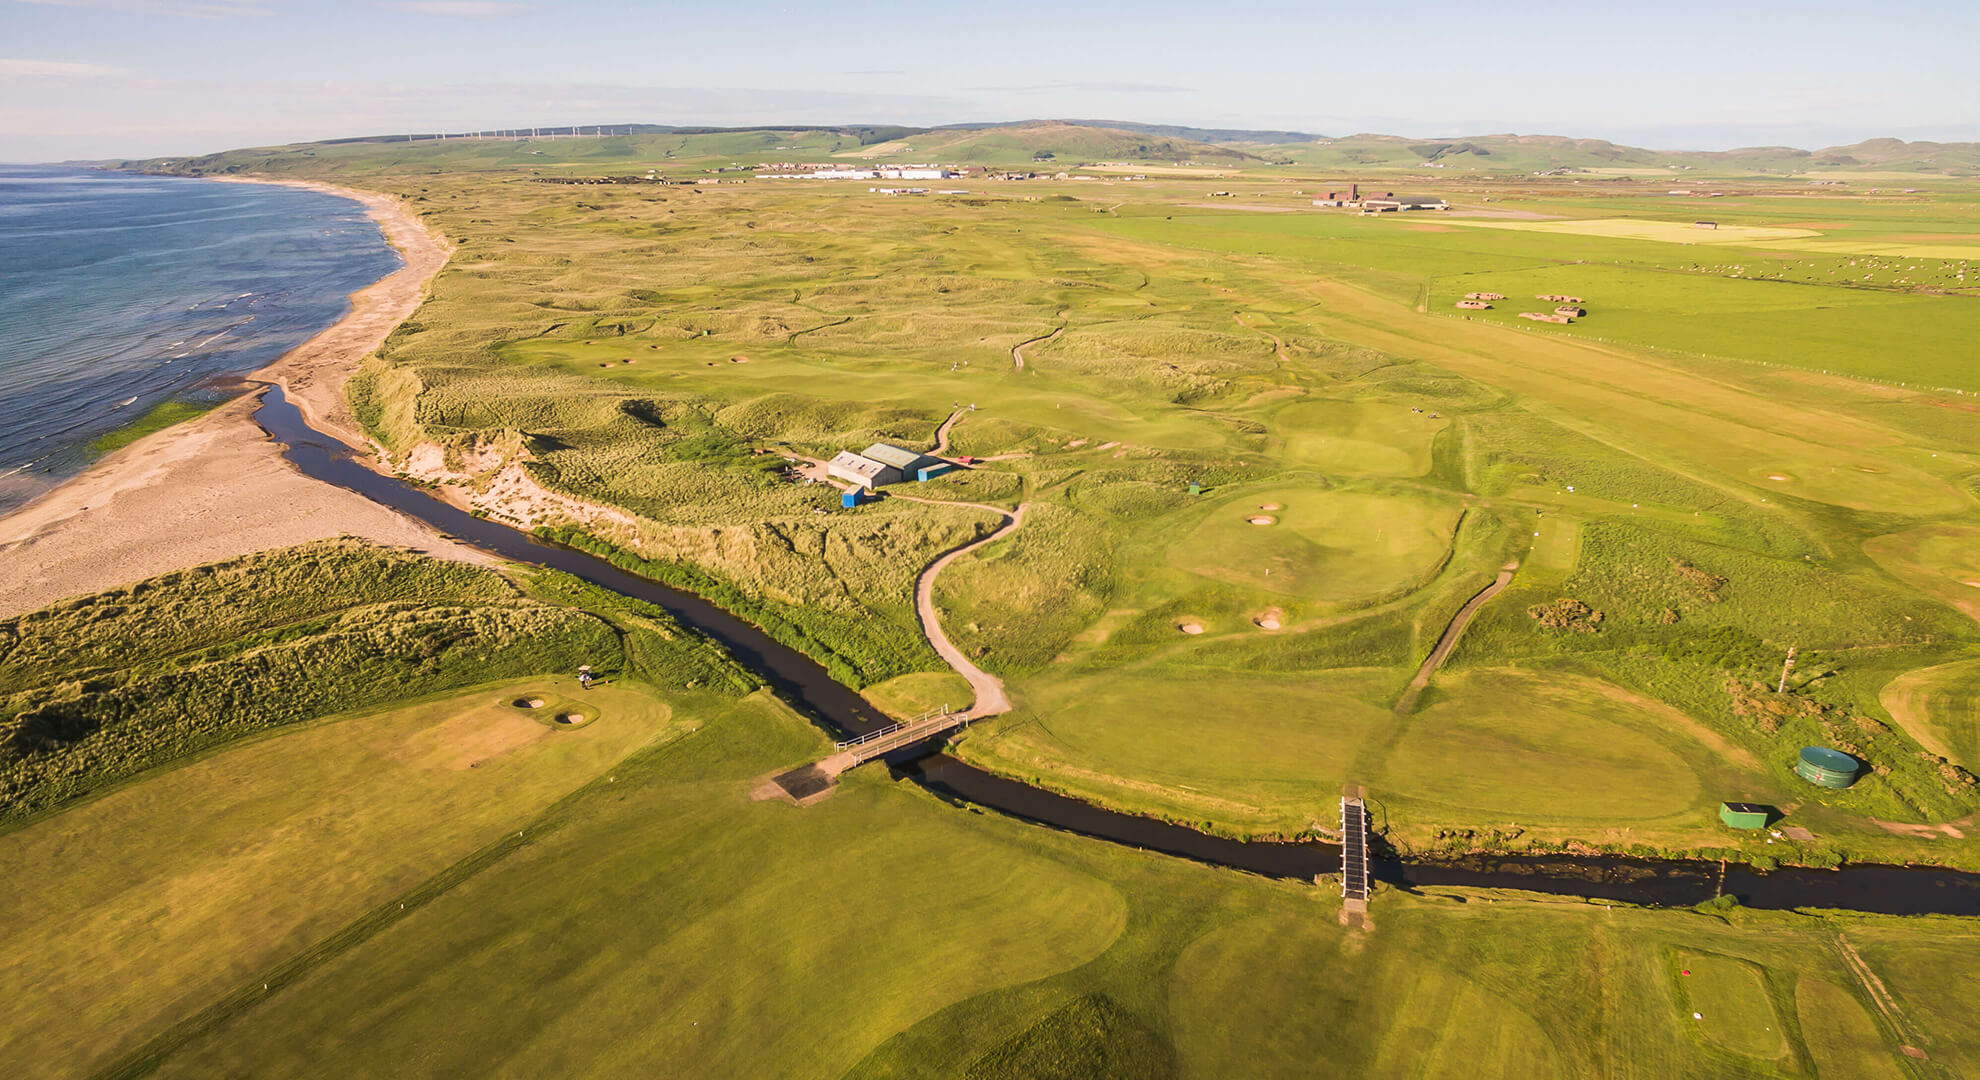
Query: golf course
point(1218, 468)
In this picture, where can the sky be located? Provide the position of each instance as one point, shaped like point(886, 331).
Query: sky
point(85, 79)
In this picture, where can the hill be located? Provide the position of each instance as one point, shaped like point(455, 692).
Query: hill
point(1058, 142)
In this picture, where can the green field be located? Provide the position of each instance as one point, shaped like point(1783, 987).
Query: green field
point(656, 920)
point(1764, 442)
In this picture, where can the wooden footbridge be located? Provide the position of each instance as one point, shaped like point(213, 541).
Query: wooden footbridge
point(809, 783)
point(1354, 852)
point(893, 737)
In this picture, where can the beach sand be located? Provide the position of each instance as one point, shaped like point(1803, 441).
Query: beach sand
point(217, 487)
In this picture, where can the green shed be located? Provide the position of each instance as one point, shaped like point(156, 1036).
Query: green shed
point(1828, 768)
point(1745, 815)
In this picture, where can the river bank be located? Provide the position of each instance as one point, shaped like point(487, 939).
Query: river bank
point(217, 487)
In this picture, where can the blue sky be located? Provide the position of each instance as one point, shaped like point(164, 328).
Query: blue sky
point(101, 78)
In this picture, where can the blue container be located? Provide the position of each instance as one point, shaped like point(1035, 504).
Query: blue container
point(850, 499)
point(927, 472)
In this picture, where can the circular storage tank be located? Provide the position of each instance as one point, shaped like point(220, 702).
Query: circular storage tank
point(1827, 768)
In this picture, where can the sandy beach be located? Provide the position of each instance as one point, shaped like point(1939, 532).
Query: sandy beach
point(217, 486)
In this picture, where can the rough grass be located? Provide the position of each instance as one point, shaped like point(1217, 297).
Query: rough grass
point(107, 686)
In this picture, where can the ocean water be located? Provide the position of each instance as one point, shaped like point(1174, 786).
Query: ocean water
point(119, 292)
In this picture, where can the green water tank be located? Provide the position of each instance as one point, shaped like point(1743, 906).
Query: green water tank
point(1824, 767)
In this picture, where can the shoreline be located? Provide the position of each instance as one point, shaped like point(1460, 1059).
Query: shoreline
point(216, 486)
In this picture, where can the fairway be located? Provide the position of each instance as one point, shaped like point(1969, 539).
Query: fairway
point(1529, 748)
point(1668, 232)
point(179, 887)
point(1252, 750)
point(669, 925)
point(1320, 545)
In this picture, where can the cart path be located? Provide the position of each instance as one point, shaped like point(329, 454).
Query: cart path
point(1278, 345)
point(1017, 356)
point(989, 689)
point(1450, 637)
point(942, 433)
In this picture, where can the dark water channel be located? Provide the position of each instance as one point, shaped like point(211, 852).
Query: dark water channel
point(1894, 890)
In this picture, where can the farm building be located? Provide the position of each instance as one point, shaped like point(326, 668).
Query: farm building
point(1542, 316)
point(1742, 815)
point(1473, 305)
point(1484, 296)
point(1704, 224)
point(1560, 298)
point(1570, 311)
point(862, 470)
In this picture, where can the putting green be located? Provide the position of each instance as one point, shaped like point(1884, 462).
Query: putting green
point(1538, 748)
point(1942, 560)
point(1331, 547)
point(1939, 707)
point(1354, 438)
point(1726, 1000)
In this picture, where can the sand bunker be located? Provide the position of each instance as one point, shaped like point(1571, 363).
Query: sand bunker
point(1972, 582)
point(1264, 519)
point(1190, 627)
point(529, 703)
point(1777, 476)
point(738, 359)
point(1268, 506)
point(1269, 619)
point(571, 718)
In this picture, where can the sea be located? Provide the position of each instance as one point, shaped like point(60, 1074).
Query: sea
point(119, 292)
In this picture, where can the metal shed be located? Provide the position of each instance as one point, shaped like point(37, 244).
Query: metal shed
point(1744, 815)
point(907, 461)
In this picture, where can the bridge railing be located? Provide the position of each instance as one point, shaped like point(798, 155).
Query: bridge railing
point(893, 729)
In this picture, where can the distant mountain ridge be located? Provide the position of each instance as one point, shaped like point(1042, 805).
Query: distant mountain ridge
point(1062, 143)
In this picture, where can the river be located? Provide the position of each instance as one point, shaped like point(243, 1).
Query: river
point(1891, 890)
